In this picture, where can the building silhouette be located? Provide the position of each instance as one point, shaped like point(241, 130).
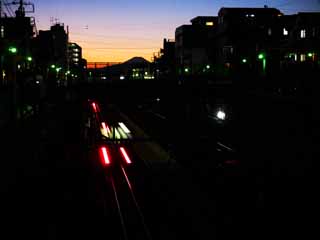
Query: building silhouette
point(247, 43)
point(193, 45)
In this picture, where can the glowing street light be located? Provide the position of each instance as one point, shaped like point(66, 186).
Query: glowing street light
point(261, 56)
point(13, 50)
point(221, 115)
point(29, 59)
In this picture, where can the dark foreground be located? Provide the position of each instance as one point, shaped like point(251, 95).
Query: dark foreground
point(52, 186)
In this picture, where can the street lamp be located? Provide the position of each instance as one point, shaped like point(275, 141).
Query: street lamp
point(29, 59)
point(262, 56)
point(13, 50)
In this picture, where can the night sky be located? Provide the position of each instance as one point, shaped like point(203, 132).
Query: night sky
point(118, 30)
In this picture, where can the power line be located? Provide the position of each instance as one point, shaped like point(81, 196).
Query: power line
point(9, 9)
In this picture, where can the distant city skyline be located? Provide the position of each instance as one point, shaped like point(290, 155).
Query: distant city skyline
point(116, 31)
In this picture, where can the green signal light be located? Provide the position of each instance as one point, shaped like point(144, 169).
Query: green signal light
point(29, 59)
point(13, 49)
point(310, 54)
point(261, 56)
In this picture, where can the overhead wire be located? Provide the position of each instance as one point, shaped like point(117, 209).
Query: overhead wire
point(9, 9)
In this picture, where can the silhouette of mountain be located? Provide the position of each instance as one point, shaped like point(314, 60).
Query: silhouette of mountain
point(125, 67)
point(136, 61)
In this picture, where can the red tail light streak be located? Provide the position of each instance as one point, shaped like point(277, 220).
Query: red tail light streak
point(94, 106)
point(125, 155)
point(105, 155)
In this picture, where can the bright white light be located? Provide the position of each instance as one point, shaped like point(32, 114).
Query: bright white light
point(122, 77)
point(158, 99)
point(37, 82)
point(124, 127)
point(221, 115)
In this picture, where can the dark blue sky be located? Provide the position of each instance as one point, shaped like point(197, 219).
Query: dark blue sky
point(117, 30)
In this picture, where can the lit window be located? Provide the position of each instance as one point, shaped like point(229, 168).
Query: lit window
point(293, 56)
point(302, 57)
point(303, 33)
point(209, 23)
point(76, 60)
point(2, 32)
point(285, 32)
point(269, 31)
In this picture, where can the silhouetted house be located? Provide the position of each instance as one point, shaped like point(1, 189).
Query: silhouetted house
point(304, 38)
point(52, 46)
point(194, 46)
point(247, 37)
point(165, 62)
point(15, 32)
point(51, 52)
point(16, 65)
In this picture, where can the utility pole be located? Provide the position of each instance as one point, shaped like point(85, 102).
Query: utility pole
point(21, 12)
